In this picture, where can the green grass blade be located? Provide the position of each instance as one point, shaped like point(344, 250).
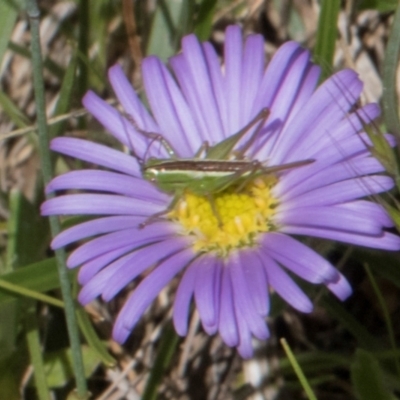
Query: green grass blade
point(58, 369)
point(28, 232)
point(301, 377)
point(41, 276)
point(13, 112)
point(8, 16)
point(8, 329)
point(83, 47)
point(38, 84)
point(385, 265)
point(385, 312)
point(379, 5)
point(367, 378)
point(316, 361)
point(48, 63)
point(64, 100)
point(324, 49)
point(35, 351)
point(21, 291)
point(10, 383)
point(365, 339)
point(169, 340)
point(163, 39)
point(390, 101)
point(93, 340)
point(204, 20)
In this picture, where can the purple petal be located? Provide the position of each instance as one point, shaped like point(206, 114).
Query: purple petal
point(211, 329)
point(115, 122)
point(368, 209)
point(347, 128)
point(243, 298)
point(252, 71)
point(244, 347)
point(205, 289)
point(342, 144)
point(386, 241)
point(218, 84)
point(233, 75)
point(227, 319)
point(164, 97)
point(341, 192)
point(98, 204)
point(97, 154)
point(307, 87)
point(129, 99)
point(285, 97)
point(136, 237)
point(197, 86)
point(110, 280)
point(200, 130)
point(106, 181)
point(299, 258)
point(347, 169)
point(183, 299)
point(341, 289)
point(330, 217)
point(139, 262)
point(146, 292)
point(281, 282)
point(93, 228)
point(276, 71)
point(323, 110)
point(345, 150)
point(88, 270)
point(257, 284)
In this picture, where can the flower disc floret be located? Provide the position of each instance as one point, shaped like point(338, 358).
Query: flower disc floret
point(228, 220)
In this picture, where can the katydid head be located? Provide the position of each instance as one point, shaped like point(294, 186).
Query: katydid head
point(149, 170)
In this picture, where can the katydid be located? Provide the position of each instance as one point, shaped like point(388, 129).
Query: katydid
point(207, 177)
point(221, 167)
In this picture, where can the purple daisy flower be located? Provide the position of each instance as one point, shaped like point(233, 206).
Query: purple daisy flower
point(232, 250)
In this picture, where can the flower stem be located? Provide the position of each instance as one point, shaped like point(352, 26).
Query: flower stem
point(20, 290)
point(77, 360)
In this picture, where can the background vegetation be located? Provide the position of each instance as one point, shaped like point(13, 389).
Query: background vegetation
point(346, 351)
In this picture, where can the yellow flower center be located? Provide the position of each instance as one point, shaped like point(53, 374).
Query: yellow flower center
point(229, 219)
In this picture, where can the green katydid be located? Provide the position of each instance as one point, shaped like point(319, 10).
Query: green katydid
point(221, 167)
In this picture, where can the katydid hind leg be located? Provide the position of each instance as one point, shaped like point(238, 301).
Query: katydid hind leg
point(241, 152)
point(253, 168)
point(250, 171)
point(282, 167)
point(230, 180)
point(203, 148)
point(222, 150)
